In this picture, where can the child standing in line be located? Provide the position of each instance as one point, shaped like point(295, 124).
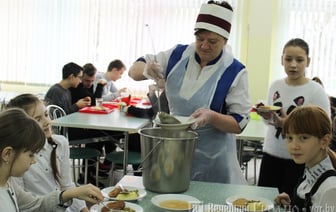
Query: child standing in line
point(20, 138)
point(277, 168)
point(52, 170)
point(308, 133)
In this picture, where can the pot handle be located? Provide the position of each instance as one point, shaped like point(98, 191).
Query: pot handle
point(148, 154)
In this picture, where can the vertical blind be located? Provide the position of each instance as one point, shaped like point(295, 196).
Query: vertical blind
point(315, 22)
point(39, 36)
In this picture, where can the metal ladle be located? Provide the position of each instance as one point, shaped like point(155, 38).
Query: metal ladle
point(164, 117)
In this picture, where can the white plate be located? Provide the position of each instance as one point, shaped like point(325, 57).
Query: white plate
point(186, 122)
point(269, 204)
point(107, 190)
point(156, 200)
point(99, 207)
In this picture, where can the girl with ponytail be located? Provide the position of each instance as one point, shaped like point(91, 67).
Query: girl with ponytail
point(52, 170)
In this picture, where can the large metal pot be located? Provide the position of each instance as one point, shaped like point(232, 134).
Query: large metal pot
point(167, 157)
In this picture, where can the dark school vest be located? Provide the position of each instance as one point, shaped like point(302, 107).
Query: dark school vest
point(304, 205)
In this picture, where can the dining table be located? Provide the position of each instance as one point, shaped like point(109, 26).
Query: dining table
point(255, 131)
point(208, 193)
point(115, 120)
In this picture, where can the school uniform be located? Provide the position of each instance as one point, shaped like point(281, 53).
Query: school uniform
point(39, 179)
point(324, 198)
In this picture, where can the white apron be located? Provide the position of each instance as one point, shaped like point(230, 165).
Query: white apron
point(215, 158)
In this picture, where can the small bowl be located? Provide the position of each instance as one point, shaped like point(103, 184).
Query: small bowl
point(186, 122)
point(159, 199)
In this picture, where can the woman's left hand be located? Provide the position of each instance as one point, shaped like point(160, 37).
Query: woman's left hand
point(203, 116)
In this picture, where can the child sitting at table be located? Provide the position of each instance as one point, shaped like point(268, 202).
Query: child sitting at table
point(53, 171)
point(20, 138)
point(308, 133)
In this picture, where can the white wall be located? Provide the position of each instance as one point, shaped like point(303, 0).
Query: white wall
point(257, 49)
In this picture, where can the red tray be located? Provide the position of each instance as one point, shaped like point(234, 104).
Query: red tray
point(108, 109)
point(111, 105)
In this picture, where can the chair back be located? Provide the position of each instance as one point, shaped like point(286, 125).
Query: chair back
point(54, 112)
point(3, 104)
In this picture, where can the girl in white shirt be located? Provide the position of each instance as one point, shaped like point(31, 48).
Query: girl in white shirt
point(52, 171)
point(307, 131)
point(277, 169)
point(20, 138)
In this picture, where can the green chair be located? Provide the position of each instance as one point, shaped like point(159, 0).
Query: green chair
point(79, 153)
point(134, 158)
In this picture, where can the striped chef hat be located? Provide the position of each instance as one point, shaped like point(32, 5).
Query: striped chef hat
point(214, 18)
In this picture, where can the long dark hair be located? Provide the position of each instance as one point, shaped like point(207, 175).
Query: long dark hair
point(28, 102)
point(20, 132)
point(297, 42)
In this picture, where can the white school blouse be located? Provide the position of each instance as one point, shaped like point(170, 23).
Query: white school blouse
point(325, 196)
point(39, 179)
point(19, 200)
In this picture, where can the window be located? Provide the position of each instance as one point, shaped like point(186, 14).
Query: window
point(315, 22)
point(39, 37)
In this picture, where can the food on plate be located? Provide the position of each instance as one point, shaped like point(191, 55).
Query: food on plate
point(115, 192)
point(175, 204)
point(259, 105)
point(266, 108)
point(134, 194)
point(249, 205)
point(98, 108)
point(256, 206)
point(269, 108)
point(240, 202)
point(120, 205)
point(125, 194)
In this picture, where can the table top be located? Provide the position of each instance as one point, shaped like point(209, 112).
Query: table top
point(116, 121)
point(255, 130)
point(208, 193)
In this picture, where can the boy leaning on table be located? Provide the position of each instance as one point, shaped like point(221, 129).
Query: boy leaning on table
point(59, 94)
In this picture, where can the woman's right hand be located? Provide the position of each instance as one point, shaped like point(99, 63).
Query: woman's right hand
point(153, 71)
